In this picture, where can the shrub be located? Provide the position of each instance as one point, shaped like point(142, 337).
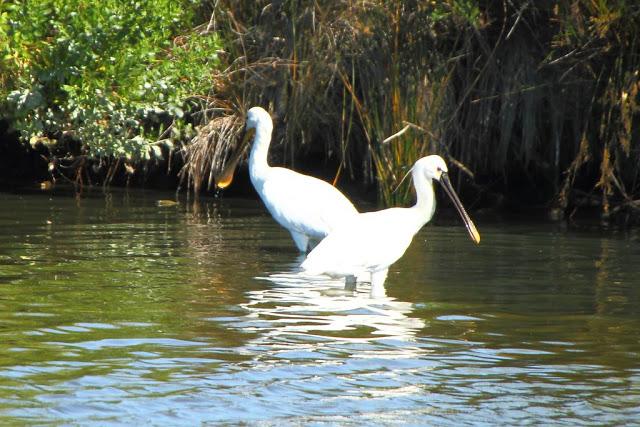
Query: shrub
point(115, 76)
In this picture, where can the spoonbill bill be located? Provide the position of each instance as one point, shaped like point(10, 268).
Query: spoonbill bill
point(371, 242)
point(307, 207)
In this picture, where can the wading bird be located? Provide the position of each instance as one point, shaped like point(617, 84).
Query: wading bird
point(371, 242)
point(306, 206)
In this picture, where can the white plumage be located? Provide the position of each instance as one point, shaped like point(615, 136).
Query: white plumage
point(370, 242)
point(306, 206)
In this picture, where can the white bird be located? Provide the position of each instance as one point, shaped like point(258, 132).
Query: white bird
point(371, 242)
point(306, 206)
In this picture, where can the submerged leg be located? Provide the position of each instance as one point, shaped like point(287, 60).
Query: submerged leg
point(377, 283)
point(301, 241)
point(350, 283)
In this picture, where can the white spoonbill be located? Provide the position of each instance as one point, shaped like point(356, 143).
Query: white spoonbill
point(306, 206)
point(372, 241)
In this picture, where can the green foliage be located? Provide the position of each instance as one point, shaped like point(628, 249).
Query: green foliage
point(544, 94)
point(113, 75)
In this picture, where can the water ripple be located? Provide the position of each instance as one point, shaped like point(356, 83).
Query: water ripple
point(116, 312)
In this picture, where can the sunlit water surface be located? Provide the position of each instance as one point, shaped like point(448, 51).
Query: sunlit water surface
point(114, 310)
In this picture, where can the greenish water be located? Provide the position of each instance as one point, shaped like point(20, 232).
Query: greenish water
point(116, 311)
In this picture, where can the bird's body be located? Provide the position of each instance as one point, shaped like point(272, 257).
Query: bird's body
point(371, 242)
point(307, 207)
point(365, 245)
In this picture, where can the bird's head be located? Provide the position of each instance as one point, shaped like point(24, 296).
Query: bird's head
point(257, 117)
point(434, 167)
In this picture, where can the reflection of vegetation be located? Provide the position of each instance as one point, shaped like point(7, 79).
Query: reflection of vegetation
point(528, 94)
point(114, 76)
point(88, 289)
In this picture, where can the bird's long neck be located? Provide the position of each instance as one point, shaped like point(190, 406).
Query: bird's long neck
point(426, 201)
point(258, 165)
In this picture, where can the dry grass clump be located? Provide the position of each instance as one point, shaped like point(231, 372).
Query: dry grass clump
point(205, 156)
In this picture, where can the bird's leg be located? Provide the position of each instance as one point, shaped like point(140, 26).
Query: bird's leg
point(301, 241)
point(377, 283)
point(350, 283)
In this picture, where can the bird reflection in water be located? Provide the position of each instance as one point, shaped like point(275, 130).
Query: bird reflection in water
point(295, 314)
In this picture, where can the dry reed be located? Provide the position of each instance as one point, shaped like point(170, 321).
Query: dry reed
point(543, 95)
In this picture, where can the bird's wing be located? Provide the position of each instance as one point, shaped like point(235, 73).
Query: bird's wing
point(305, 204)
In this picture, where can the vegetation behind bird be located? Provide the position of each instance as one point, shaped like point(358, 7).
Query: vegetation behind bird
point(534, 98)
point(525, 96)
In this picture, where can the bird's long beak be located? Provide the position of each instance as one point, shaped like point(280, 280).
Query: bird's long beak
point(471, 228)
point(224, 179)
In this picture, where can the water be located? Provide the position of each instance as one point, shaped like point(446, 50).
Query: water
point(114, 310)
